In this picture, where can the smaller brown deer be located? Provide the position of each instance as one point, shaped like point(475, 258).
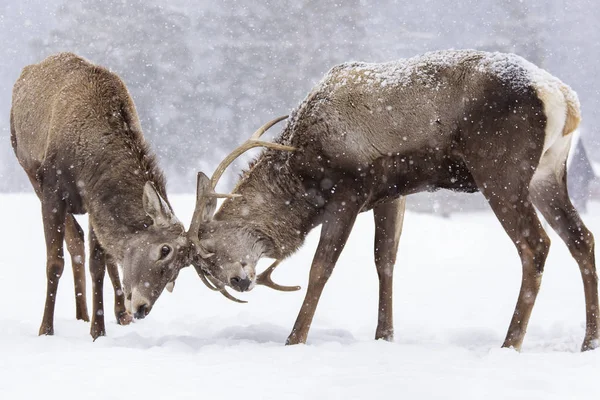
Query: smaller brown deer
point(369, 134)
point(76, 133)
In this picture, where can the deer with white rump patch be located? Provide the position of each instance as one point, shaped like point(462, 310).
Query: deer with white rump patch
point(369, 134)
point(75, 131)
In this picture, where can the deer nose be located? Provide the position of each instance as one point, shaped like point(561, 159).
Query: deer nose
point(141, 312)
point(240, 284)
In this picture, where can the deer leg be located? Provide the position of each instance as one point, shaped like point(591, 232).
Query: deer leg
point(76, 246)
point(533, 250)
point(518, 218)
point(123, 317)
point(549, 194)
point(53, 215)
point(334, 233)
point(97, 267)
point(388, 227)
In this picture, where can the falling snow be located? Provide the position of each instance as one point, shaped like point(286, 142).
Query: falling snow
point(456, 281)
point(204, 75)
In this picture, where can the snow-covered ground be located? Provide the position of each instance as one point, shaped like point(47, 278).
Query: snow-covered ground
point(456, 284)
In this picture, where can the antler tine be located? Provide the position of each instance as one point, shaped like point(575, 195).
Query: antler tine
point(225, 196)
point(225, 293)
point(259, 132)
point(265, 280)
point(247, 145)
point(207, 281)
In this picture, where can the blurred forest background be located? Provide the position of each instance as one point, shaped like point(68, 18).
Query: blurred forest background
point(205, 74)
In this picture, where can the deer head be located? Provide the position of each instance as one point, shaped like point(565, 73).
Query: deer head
point(153, 257)
point(223, 253)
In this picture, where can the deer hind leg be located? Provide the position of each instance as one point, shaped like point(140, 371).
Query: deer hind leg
point(520, 221)
point(97, 267)
point(123, 317)
point(549, 194)
point(76, 246)
point(388, 227)
point(533, 245)
point(335, 231)
point(53, 215)
point(507, 192)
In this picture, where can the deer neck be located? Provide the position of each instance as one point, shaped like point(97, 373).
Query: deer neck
point(113, 198)
point(272, 208)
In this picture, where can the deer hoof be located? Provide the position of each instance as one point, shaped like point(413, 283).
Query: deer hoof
point(124, 318)
point(96, 332)
point(385, 335)
point(82, 316)
point(46, 330)
point(590, 344)
point(295, 339)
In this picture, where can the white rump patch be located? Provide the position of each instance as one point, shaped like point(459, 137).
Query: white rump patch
point(556, 146)
point(561, 105)
point(555, 109)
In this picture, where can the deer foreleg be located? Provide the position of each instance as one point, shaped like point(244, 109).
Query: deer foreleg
point(53, 215)
point(97, 268)
point(335, 231)
point(76, 246)
point(388, 227)
point(123, 317)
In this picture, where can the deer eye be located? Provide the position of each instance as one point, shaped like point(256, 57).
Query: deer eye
point(164, 252)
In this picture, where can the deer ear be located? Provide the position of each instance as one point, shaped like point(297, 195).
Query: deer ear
point(206, 204)
point(156, 207)
point(203, 196)
point(170, 286)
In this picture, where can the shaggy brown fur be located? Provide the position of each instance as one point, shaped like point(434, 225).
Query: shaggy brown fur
point(369, 134)
point(75, 131)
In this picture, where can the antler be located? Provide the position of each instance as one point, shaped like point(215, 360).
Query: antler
point(212, 286)
point(265, 280)
point(247, 145)
point(206, 204)
point(205, 193)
